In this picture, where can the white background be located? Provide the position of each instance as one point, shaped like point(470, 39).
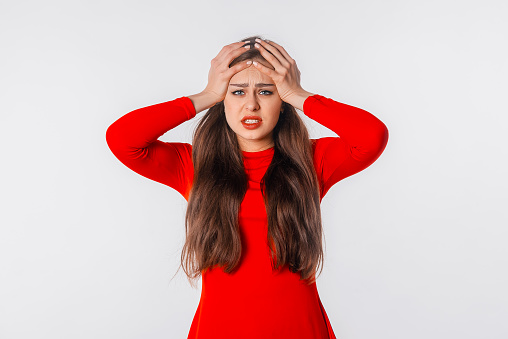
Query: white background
point(415, 244)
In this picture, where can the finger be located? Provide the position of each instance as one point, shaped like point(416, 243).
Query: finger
point(273, 50)
point(245, 42)
point(232, 54)
point(268, 71)
point(281, 50)
point(227, 49)
point(237, 68)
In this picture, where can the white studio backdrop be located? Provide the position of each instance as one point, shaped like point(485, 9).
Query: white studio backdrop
point(415, 243)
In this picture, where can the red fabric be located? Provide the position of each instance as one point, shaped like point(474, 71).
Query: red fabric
point(254, 302)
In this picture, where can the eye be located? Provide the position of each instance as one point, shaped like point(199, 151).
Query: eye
point(269, 92)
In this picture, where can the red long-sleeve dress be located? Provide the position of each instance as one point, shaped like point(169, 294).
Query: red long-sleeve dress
point(254, 302)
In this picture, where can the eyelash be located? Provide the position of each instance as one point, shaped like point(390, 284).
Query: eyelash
point(239, 90)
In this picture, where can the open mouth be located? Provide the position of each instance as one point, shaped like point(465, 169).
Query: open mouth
point(251, 122)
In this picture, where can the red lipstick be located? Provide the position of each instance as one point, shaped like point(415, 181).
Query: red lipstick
point(251, 121)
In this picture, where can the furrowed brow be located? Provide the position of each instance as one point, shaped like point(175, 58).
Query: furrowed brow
point(247, 85)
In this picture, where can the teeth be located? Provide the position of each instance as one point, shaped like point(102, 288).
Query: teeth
point(251, 121)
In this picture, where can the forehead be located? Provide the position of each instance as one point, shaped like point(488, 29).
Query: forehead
point(250, 75)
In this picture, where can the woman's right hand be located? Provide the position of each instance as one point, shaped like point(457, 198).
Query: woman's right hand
point(220, 74)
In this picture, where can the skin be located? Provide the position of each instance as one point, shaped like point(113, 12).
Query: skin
point(264, 102)
point(278, 69)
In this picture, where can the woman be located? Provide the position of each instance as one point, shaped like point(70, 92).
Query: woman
point(254, 182)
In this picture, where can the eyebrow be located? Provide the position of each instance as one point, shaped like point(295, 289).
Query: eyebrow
point(247, 85)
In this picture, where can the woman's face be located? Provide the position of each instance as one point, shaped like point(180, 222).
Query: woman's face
point(262, 103)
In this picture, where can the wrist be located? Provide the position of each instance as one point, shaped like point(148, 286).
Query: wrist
point(203, 100)
point(298, 98)
point(211, 96)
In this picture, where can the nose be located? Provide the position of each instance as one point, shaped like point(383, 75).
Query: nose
point(252, 103)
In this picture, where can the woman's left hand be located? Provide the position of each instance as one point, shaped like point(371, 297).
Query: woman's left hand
point(286, 74)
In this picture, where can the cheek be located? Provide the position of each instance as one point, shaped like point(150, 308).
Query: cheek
point(275, 119)
point(231, 121)
point(228, 120)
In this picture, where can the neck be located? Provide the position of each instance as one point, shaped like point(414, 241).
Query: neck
point(248, 145)
point(256, 148)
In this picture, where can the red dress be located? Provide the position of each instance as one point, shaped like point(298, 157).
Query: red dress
point(254, 302)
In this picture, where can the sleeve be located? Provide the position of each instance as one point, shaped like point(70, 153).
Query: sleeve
point(133, 139)
point(362, 139)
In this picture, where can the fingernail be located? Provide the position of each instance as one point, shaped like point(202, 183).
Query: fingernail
point(255, 63)
point(256, 45)
point(249, 62)
point(258, 40)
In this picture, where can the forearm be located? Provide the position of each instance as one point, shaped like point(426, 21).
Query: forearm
point(359, 128)
point(139, 128)
point(202, 101)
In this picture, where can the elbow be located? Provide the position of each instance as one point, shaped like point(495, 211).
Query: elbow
point(373, 146)
point(112, 137)
point(383, 136)
point(381, 140)
point(109, 136)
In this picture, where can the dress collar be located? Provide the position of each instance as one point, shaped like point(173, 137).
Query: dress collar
point(260, 154)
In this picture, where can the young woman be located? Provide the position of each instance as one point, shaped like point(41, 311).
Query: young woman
point(254, 182)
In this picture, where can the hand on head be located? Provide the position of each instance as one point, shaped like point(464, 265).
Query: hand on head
point(285, 73)
point(220, 74)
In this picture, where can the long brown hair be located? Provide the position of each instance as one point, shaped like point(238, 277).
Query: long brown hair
point(290, 190)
